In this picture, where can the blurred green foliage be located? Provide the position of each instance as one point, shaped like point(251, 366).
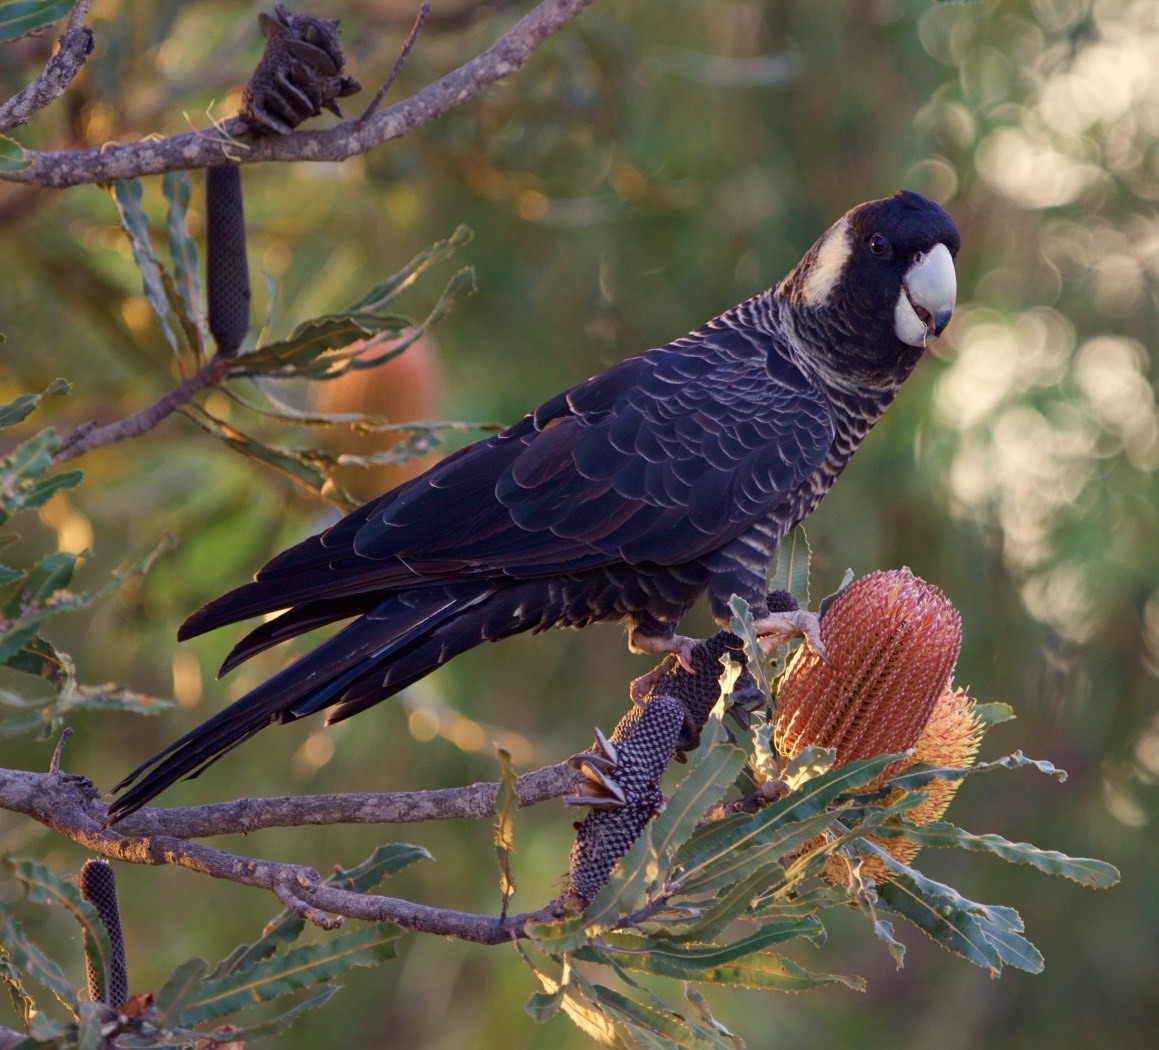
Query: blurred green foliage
point(657, 162)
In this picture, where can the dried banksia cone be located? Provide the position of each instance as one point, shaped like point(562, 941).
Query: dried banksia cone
point(622, 785)
point(950, 740)
point(891, 642)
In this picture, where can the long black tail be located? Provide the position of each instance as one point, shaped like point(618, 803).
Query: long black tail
point(404, 638)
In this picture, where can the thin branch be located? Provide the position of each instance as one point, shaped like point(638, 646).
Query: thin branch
point(380, 94)
point(90, 435)
point(475, 801)
point(69, 805)
point(76, 44)
point(197, 150)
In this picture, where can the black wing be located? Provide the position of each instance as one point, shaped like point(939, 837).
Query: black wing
point(661, 459)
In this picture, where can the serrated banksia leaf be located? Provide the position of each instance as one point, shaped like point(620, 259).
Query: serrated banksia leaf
point(891, 641)
point(950, 740)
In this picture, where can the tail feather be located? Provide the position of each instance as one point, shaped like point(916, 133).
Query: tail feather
point(404, 638)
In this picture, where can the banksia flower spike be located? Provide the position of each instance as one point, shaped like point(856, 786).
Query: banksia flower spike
point(891, 641)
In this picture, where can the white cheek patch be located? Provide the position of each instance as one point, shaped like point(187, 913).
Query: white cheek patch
point(828, 264)
point(908, 327)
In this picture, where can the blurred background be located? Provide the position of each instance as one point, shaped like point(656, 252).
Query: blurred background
point(655, 163)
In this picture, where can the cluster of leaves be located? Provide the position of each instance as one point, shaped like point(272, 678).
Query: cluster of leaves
point(33, 595)
point(270, 969)
point(711, 902)
point(320, 349)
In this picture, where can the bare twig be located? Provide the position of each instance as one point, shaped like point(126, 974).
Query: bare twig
point(68, 804)
point(380, 94)
point(195, 150)
point(88, 436)
point(76, 44)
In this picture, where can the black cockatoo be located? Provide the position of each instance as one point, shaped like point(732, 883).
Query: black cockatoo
point(626, 498)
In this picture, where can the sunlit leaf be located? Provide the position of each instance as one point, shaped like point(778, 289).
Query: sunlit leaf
point(506, 803)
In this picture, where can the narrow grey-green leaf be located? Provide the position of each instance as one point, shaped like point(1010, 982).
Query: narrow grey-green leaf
point(183, 251)
point(1095, 874)
point(22, 407)
point(299, 968)
point(127, 197)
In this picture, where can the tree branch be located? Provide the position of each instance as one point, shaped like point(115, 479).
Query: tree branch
point(76, 44)
point(69, 805)
point(200, 149)
point(90, 435)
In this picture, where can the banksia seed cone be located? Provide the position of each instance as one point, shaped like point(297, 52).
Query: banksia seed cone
point(891, 641)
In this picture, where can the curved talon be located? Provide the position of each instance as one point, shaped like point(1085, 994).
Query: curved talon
point(777, 628)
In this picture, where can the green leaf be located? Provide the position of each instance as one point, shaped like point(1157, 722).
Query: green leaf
point(742, 627)
point(988, 715)
point(32, 963)
point(986, 935)
point(23, 482)
point(792, 567)
point(181, 986)
point(382, 294)
point(384, 861)
point(92, 1019)
point(640, 952)
point(1094, 874)
point(127, 197)
point(22, 1001)
point(713, 843)
point(577, 999)
point(285, 927)
point(300, 968)
point(554, 938)
point(308, 467)
point(27, 16)
point(753, 970)
point(733, 901)
point(183, 251)
point(829, 599)
point(12, 156)
point(19, 410)
point(41, 886)
point(671, 1027)
point(543, 1006)
point(920, 776)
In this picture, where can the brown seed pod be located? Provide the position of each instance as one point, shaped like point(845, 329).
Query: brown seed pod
point(299, 75)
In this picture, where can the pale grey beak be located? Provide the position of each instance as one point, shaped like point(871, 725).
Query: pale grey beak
point(928, 293)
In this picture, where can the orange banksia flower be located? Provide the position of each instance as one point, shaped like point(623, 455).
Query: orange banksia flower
point(950, 740)
point(891, 641)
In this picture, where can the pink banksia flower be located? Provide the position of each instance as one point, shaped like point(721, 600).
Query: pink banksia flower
point(891, 641)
